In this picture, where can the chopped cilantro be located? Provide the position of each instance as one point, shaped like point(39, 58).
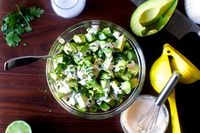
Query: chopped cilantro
point(16, 23)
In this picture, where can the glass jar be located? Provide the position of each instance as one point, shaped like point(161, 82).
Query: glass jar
point(68, 8)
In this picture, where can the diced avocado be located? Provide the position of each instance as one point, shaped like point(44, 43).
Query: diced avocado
point(71, 100)
point(73, 84)
point(116, 34)
point(114, 84)
point(107, 63)
point(105, 75)
point(133, 68)
point(60, 95)
point(98, 88)
point(58, 58)
point(126, 87)
point(70, 47)
point(53, 76)
point(104, 83)
point(120, 66)
point(151, 16)
point(94, 29)
point(107, 31)
point(102, 36)
point(112, 103)
point(134, 82)
point(79, 38)
point(94, 46)
point(64, 88)
point(81, 100)
point(120, 42)
point(102, 44)
point(96, 70)
point(84, 48)
point(104, 106)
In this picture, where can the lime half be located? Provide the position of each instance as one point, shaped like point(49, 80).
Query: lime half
point(18, 126)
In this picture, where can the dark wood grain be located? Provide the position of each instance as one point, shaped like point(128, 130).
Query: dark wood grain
point(24, 92)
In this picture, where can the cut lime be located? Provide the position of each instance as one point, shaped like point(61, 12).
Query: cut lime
point(18, 126)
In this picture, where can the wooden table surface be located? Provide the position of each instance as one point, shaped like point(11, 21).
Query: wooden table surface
point(24, 93)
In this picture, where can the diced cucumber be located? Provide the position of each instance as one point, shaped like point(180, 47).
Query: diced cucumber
point(94, 46)
point(58, 58)
point(126, 76)
point(107, 51)
point(102, 36)
point(107, 31)
point(126, 87)
point(89, 37)
point(120, 42)
point(104, 106)
point(79, 38)
point(131, 55)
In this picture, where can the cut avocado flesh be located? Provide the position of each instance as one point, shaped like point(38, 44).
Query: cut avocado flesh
point(151, 16)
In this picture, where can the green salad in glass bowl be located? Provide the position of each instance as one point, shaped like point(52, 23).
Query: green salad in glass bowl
point(97, 69)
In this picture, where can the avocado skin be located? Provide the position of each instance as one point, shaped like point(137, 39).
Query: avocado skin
point(142, 24)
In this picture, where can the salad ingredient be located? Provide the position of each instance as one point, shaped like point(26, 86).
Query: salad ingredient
point(16, 23)
point(96, 70)
point(18, 126)
point(151, 16)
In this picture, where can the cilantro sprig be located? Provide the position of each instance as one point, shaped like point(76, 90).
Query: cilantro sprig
point(16, 23)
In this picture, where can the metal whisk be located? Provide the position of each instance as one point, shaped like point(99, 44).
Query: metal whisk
point(148, 121)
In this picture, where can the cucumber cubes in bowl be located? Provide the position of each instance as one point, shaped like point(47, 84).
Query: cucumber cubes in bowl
point(96, 70)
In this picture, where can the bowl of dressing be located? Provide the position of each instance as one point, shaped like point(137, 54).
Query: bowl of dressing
point(130, 117)
point(97, 69)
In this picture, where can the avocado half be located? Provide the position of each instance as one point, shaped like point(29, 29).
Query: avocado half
point(151, 16)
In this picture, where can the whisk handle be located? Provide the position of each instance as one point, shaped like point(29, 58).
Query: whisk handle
point(168, 88)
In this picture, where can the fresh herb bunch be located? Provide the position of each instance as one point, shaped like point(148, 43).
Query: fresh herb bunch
point(16, 23)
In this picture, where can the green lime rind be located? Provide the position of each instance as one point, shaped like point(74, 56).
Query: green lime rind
point(18, 126)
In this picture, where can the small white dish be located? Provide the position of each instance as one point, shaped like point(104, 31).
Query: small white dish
point(192, 9)
point(68, 8)
point(138, 109)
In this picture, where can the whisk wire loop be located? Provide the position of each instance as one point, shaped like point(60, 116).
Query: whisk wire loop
point(148, 121)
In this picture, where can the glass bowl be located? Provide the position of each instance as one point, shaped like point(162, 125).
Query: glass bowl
point(67, 36)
